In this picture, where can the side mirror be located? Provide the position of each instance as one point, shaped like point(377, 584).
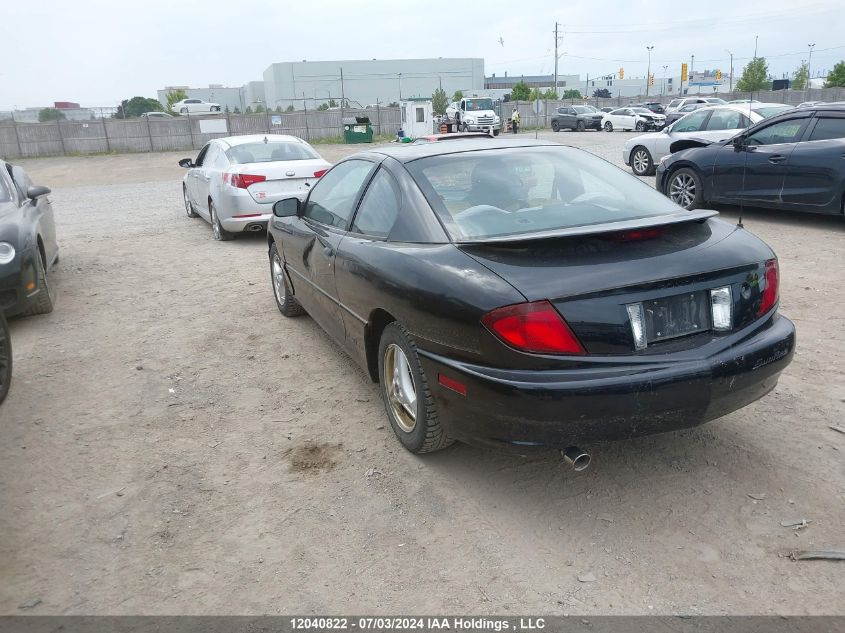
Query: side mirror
point(738, 142)
point(186, 163)
point(287, 208)
point(33, 193)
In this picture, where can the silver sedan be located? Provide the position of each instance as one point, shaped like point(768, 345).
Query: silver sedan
point(234, 181)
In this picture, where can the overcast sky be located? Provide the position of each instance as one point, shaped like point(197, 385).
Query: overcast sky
point(98, 52)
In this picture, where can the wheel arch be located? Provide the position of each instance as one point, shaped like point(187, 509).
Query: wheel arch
point(379, 319)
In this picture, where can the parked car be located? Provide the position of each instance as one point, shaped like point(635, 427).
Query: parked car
point(194, 106)
point(576, 118)
point(643, 152)
point(639, 119)
point(28, 248)
point(790, 161)
point(592, 108)
point(715, 101)
point(654, 106)
point(677, 104)
point(743, 101)
point(450, 136)
point(527, 293)
point(235, 180)
point(608, 109)
point(807, 104)
point(156, 115)
point(770, 109)
point(5, 357)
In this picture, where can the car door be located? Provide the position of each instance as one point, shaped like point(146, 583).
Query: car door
point(627, 119)
point(754, 170)
point(815, 171)
point(203, 174)
point(570, 119)
point(358, 251)
point(310, 247)
point(39, 211)
point(193, 180)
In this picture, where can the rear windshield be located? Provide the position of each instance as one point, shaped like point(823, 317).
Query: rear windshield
point(479, 104)
point(674, 103)
point(768, 111)
point(268, 152)
point(515, 191)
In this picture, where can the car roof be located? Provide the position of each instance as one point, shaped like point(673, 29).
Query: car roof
point(232, 141)
point(407, 152)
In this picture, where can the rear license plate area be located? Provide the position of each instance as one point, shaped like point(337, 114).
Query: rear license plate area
point(679, 315)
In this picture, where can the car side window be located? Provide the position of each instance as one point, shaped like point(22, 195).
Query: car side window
point(692, 122)
point(5, 190)
point(210, 156)
point(379, 207)
point(726, 120)
point(201, 156)
point(828, 128)
point(788, 131)
point(333, 198)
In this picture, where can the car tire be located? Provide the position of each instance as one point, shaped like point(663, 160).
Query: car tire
point(183, 110)
point(640, 126)
point(608, 126)
point(415, 422)
point(642, 163)
point(217, 231)
point(45, 300)
point(285, 300)
point(215, 109)
point(555, 126)
point(5, 358)
point(496, 132)
point(189, 207)
point(683, 187)
point(579, 127)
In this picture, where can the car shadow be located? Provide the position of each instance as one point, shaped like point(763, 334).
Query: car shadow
point(825, 221)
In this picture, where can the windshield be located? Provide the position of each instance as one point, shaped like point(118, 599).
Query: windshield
point(268, 152)
point(768, 111)
point(479, 104)
point(581, 109)
point(674, 103)
point(515, 191)
point(642, 110)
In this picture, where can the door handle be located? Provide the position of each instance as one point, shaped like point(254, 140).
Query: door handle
point(776, 159)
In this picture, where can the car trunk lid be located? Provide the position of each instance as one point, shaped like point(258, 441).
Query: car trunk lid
point(282, 179)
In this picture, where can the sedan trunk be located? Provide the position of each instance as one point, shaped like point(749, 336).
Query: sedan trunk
point(282, 179)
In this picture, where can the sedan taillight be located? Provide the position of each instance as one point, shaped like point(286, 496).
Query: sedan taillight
point(770, 287)
point(533, 327)
point(242, 181)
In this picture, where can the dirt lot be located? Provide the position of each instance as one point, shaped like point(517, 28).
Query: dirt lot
point(172, 444)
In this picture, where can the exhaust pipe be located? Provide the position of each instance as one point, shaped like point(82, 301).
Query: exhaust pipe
point(575, 457)
point(255, 228)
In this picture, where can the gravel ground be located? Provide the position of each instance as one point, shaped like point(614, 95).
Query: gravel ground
point(172, 444)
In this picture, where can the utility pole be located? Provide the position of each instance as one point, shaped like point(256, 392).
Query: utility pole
point(732, 70)
point(691, 71)
point(400, 86)
point(809, 61)
point(557, 40)
point(663, 85)
point(755, 46)
point(648, 72)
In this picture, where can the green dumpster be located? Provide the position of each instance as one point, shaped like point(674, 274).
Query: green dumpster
point(357, 129)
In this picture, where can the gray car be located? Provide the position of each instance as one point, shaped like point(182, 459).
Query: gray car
point(234, 181)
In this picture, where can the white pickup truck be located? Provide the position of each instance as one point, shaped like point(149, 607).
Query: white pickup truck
point(475, 114)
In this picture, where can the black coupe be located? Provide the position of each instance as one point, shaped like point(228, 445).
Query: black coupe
point(793, 161)
point(28, 246)
point(528, 293)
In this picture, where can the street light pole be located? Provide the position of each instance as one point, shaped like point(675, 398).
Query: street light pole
point(648, 72)
point(732, 70)
point(663, 83)
point(809, 61)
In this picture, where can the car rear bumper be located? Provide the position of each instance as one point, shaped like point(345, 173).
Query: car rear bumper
point(610, 399)
point(248, 222)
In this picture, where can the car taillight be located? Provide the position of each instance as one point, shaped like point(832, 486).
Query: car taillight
point(635, 235)
point(242, 181)
point(533, 327)
point(771, 281)
point(319, 172)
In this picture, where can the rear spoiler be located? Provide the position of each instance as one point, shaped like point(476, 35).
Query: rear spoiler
point(679, 217)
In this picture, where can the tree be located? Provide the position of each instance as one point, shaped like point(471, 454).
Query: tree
point(439, 101)
point(278, 109)
point(755, 76)
point(289, 108)
point(836, 77)
point(602, 93)
point(136, 106)
point(50, 114)
point(259, 109)
point(799, 82)
point(332, 103)
point(535, 94)
point(226, 110)
point(237, 110)
point(395, 104)
point(248, 110)
point(172, 97)
point(459, 94)
point(550, 95)
point(323, 106)
point(520, 91)
point(572, 93)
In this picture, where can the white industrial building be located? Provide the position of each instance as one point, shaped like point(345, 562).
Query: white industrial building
point(365, 82)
